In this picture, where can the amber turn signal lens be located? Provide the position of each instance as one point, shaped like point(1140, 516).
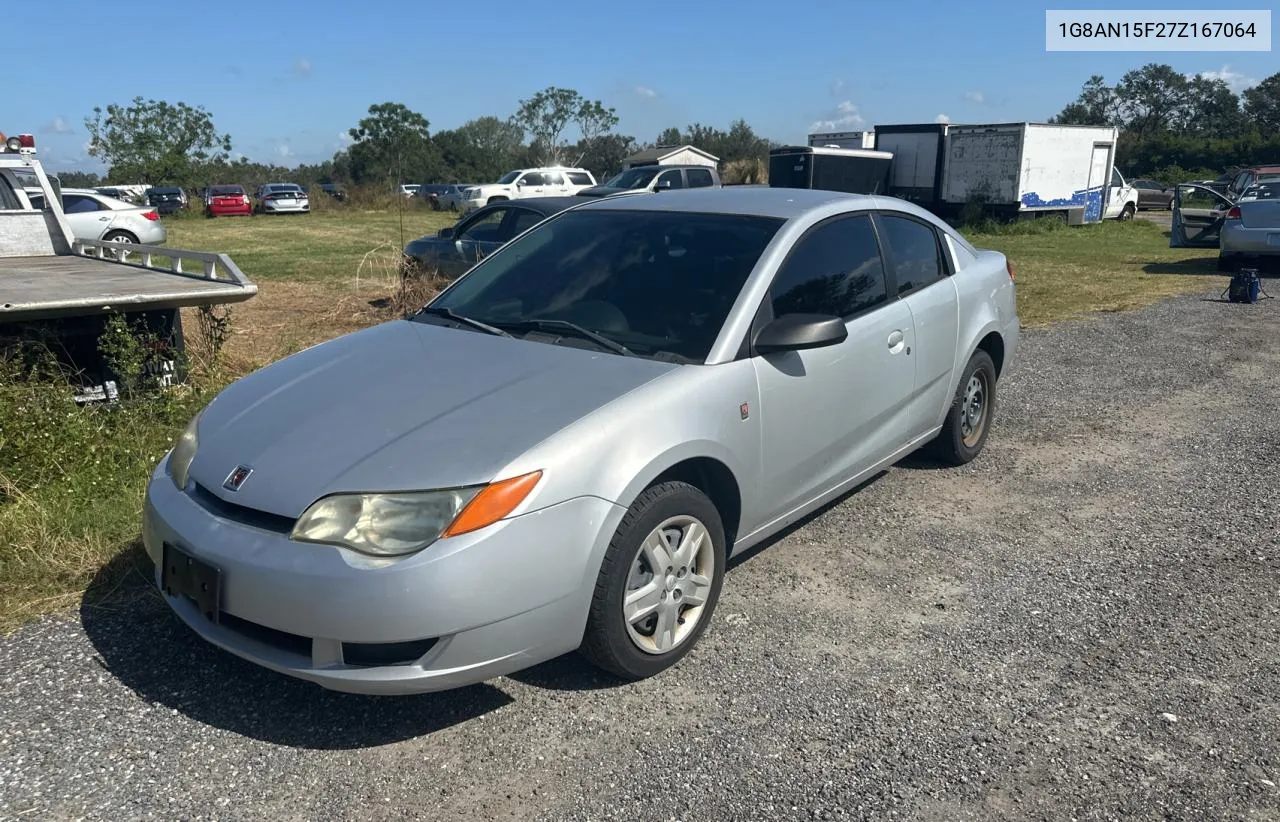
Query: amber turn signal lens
point(496, 501)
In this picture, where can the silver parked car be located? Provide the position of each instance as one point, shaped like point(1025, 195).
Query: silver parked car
point(94, 216)
point(562, 450)
point(1245, 231)
point(281, 198)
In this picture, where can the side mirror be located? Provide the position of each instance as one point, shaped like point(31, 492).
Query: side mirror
point(520, 182)
point(445, 233)
point(795, 332)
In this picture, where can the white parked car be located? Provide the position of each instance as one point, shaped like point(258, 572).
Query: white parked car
point(409, 189)
point(556, 181)
point(94, 216)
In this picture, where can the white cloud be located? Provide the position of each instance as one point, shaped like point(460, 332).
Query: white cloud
point(59, 126)
point(838, 86)
point(645, 92)
point(975, 97)
point(845, 116)
point(942, 118)
point(1236, 81)
point(302, 67)
point(283, 150)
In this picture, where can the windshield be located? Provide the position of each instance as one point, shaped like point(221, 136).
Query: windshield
point(633, 178)
point(658, 282)
point(508, 178)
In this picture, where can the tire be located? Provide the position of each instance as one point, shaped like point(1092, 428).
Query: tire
point(962, 438)
point(119, 237)
point(662, 512)
point(1127, 212)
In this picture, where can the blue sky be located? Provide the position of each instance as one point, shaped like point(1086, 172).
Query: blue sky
point(287, 78)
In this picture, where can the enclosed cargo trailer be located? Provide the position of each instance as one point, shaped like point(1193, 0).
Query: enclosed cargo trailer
point(856, 171)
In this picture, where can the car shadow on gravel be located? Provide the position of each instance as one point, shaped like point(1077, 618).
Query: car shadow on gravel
point(1193, 265)
point(144, 645)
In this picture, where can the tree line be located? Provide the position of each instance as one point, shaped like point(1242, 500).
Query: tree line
point(1175, 127)
point(160, 143)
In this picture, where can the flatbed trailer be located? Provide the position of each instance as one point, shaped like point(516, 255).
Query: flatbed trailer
point(60, 291)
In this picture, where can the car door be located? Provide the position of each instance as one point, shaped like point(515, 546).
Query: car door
point(531, 184)
point(1198, 213)
point(476, 237)
point(920, 273)
point(88, 218)
point(554, 184)
point(829, 413)
point(669, 180)
point(1115, 194)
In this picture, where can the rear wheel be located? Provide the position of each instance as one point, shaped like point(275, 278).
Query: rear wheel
point(118, 237)
point(658, 584)
point(964, 432)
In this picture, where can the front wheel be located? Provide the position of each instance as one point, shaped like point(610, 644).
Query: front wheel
point(658, 584)
point(1127, 212)
point(968, 421)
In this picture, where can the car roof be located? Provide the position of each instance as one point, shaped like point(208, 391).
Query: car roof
point(760, 201)
point(545, 205)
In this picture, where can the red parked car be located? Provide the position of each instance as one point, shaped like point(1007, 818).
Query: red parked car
point(226, 201)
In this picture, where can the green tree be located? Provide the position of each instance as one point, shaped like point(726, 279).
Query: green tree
point(1153, 99)
point(1097, 105)
point(486, 148)
point(392, 144)
point(1212, 109)
point(154, 141)
point(603, 156)
point(669, 137)
point(1262, 105)
point(547, 115)
point(78, 179)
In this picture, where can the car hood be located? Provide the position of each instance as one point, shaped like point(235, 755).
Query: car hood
point(400, 406)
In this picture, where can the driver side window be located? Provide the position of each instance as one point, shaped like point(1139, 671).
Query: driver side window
point(835, 269)
point(533, 178)
point(485, 229)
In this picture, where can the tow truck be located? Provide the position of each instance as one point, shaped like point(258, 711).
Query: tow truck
point(55, 287)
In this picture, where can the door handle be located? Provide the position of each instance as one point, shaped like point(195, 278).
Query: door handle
point(896, 343)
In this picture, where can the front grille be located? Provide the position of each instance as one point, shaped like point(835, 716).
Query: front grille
point(241, 514)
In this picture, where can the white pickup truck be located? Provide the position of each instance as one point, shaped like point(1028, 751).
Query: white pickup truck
point(552, 181)
point(53, 284)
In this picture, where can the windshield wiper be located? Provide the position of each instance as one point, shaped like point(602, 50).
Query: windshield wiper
point(584, 333)
point(441, 311)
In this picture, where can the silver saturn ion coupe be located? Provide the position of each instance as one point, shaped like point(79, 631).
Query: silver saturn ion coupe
point(562, 449)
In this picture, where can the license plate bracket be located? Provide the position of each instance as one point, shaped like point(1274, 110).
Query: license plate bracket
point(182, 574)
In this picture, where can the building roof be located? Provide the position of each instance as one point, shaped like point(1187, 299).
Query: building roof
point(659, 153)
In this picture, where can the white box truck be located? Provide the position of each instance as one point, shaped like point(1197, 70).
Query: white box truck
point(919, 160)
point(1027, 168)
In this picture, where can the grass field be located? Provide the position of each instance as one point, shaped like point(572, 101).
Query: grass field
point(72, 479)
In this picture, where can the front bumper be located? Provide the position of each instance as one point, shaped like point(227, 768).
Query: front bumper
point(494, 601)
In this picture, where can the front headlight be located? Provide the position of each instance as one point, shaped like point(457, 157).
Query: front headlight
point(389, 525)
point(184, 451)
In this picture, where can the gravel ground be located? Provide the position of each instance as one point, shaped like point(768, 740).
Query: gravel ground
point(1083, 624)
